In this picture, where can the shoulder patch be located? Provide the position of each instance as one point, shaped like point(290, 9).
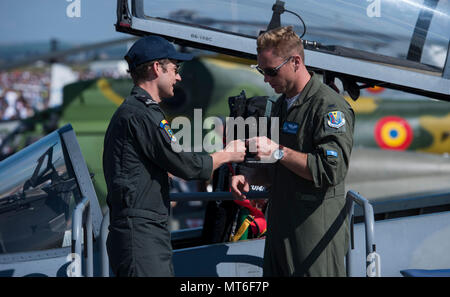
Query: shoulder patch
point(336, 119)
point(164, 125)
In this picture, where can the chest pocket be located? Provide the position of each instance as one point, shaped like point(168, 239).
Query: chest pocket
point(288, 134)
point(290, 127)
point(300, 118)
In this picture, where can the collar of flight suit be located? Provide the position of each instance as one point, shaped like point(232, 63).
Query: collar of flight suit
point(142, 95)
point(308, 91)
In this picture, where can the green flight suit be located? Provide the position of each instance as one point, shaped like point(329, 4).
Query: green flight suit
point(137, 156)
point(307, 224)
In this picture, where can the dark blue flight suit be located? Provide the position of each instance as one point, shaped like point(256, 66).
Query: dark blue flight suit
point(137, 157)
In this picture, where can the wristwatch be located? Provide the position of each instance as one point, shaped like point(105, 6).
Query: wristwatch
point(278, 154)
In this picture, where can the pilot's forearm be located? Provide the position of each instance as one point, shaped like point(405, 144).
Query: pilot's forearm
point(297, 162)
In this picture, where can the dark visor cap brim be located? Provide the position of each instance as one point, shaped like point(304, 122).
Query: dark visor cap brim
point(181, 57)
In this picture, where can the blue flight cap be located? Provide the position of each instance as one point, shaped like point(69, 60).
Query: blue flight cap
point(151, 48)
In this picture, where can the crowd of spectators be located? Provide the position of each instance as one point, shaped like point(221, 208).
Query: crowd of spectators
point(25, 92)
point(22, 93)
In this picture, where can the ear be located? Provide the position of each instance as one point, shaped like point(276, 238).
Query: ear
point(156, 69)
point(297, 61)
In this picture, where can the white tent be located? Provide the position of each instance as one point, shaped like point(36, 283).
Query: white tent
point(61, 75)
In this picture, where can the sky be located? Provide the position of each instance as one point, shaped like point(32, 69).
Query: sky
point(41, 20)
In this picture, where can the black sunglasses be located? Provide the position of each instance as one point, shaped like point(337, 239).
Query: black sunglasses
point(271, 71)
point(178, 65)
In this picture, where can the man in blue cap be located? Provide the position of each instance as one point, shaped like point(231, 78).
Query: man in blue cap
point(137, 157)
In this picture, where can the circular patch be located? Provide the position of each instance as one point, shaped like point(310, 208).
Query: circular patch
point(393, 133)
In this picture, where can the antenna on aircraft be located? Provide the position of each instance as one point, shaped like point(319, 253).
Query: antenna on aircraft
point(278, 9)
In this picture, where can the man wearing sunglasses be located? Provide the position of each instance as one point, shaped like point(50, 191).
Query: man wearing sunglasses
point(137, 157)
point(307, 232)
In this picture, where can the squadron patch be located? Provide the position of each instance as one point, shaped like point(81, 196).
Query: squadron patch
point(336, 119)
point(166, 128)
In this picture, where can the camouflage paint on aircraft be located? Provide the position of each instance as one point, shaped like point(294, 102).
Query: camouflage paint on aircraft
point(439, 128)
point(402, 124)
point(109, 93)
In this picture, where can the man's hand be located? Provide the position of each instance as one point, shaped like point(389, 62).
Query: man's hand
point(263, 147)
point(233, 152)
point(239, 185)
point(236, 150)
point(295, 161)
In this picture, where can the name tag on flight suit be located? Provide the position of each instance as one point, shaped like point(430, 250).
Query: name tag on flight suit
point(290, 127)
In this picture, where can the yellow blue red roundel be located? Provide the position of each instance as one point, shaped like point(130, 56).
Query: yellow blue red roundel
point(394, 133)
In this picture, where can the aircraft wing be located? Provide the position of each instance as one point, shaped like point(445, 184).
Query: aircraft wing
point(52, 56)
point(402, 45)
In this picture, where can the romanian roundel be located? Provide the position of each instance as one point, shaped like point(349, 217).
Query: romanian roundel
point(393, 133)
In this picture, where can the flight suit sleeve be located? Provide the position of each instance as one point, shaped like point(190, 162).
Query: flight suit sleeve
point(157, 145)
point(332, 145)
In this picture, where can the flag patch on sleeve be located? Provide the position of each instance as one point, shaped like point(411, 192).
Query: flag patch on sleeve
point(166, 128)
point(332, 153)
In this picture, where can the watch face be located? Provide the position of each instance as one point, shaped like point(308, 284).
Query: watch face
point(278, 154)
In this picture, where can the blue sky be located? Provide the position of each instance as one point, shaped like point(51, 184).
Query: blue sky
point(41, 20)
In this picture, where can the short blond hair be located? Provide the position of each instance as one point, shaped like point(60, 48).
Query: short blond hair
point(283, 40)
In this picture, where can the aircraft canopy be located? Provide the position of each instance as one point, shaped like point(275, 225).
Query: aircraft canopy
point(398, 44)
